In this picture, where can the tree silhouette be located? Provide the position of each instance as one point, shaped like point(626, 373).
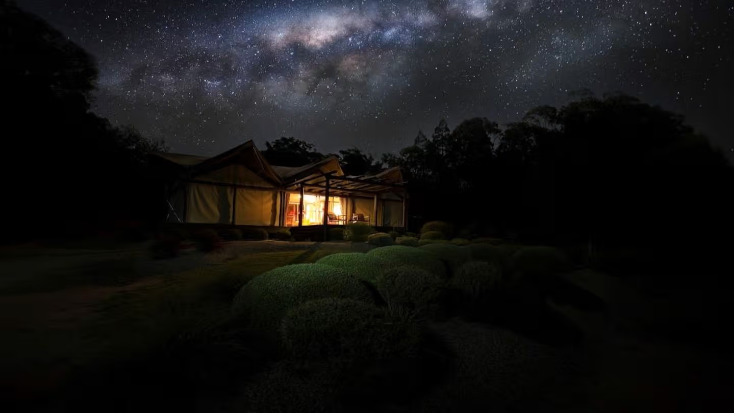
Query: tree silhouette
point(290, 152)
point(355, 162)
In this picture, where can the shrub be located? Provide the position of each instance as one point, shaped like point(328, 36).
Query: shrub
point(411, 234)
point(380, 239)
point(538, 262)
point(460, 241)
point(438, 226)
point(207, 240)
point(266, 298)
point(475, 279)
point(231, 234)
point(485, 240)
point(254, 234)
point(343, 329)
point(281, 234)
point(336, 234)
point(365, 267)
point(402, 255)
point(432, 241)
point(167, 245)
point(409, 287)
point(394, 234)
point(432, 235)
point(453, 256)
point(408, 241)
point(485, 252)
point(357, 232)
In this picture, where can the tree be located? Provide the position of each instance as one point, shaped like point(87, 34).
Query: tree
point(420, 139)
point(355, 162)
point(291, 152)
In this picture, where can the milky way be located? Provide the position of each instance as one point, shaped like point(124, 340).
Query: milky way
point(208, 75)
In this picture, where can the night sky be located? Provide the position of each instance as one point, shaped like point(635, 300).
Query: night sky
point(209, 75)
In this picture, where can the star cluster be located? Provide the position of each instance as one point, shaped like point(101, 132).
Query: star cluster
point(208, 75)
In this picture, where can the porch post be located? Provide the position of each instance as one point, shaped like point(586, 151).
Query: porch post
point(374, 211)
point(326, 210)
point(300, 208)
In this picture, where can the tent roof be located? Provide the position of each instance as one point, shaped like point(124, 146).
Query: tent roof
point(181, 159)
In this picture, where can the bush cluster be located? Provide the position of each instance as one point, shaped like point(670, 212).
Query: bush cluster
point(408, 241)
point(433, 235)
point(366, 267)
point(439, 226)
point(357, 232)
point(380, 239)
point(460, 241)
point(410, 288)
point(399, 255)
point(207, 240)
point(255, 234)
point(336, 234)
point(231, 234)
point(266, 298)
point(485, 252)
point(538, 262)
point(341, 329)
point(451, 255)
point(281, 234)
point(475, 279)
point(394, 234)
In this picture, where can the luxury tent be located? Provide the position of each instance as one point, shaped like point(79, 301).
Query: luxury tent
point(240, 188)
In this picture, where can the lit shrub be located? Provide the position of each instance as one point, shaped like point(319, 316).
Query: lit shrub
point(266, 298)
point(336, 234)
point(451, 255)
point(438, 226)
point(343, 329)
point(254, 234)
point(409, 287)
point(416, 257)
point(366, 267)
point(433, 235)
point(394, 234)
point(460, 241)
point(408, 241)
point(207, 240)
point(357, 232)
point(281, 234)
point(475, 279)
point(539, 262)
point(380, 239)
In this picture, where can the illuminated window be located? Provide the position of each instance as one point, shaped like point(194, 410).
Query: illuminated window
point(313, 209)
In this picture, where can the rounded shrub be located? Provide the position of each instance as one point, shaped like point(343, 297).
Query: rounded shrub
point(336, 234)
point(399, 255)
point(255, 234)
point(439, 226)
point(281, 234)
point(432, 241)
point(411, 234)
point(207, 240)
point(394, 234)
point(409, 287)
point(485, 240)
point(266, 298)
point(460, 241)
point(343, 329)
point(431, 235)
point(232, 234)
point(408, 241)
point(453, 256)
point(538, 261)
point(357, 232)
point(476, 278)
point(380, 239)
point(366, 267)
point(485, 252)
